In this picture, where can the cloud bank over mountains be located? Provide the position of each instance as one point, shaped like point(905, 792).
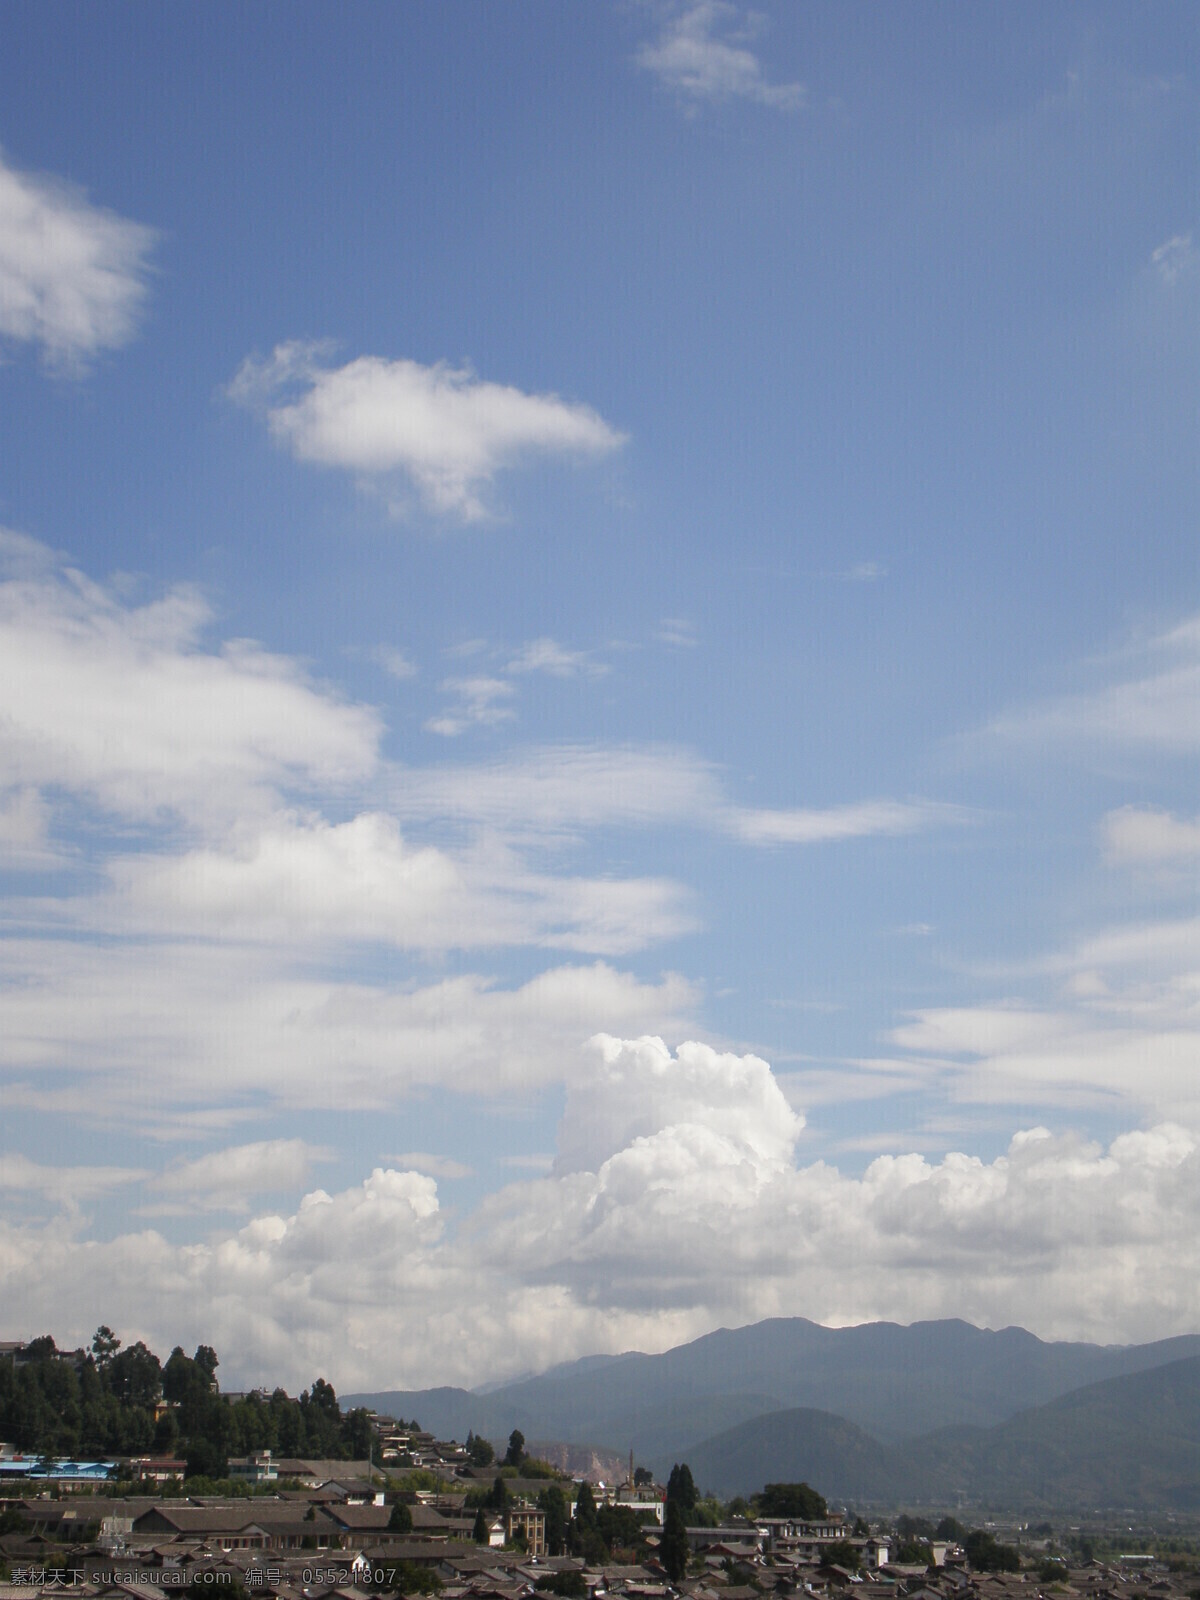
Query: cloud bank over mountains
point(185, 951)
point(654, 1228)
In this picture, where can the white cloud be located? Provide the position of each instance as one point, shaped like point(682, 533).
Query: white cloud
point(302, 881)
point(861, 820)
point(72, 276)
point(1175, 259)
point(224, 1180)
point(703, 54)
point(1148, 835)
point(672, 1231)
point(125, 705)
point(444, 1168)
point(541, 1161)
point(564, 788)
point(130, 1034)
point(678, 632)
point(1122, 1032)
point(1151, 701)
point(25, 830)
point(547, 655)
point(864, 572)
point(63, 1184)
point(478, 702)
point(638, 1090)
point(394, 662)
point(445, 429)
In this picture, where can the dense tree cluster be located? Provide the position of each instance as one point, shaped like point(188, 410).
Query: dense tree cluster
point(125, 1402)
point(986, 1554)
point(791, 1500)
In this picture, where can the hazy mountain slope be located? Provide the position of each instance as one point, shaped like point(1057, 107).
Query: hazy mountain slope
point(893, 1381)
point(835, 1456)
point(1128, 1441)
point(1131, 1441)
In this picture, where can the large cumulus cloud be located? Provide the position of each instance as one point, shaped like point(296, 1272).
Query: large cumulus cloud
point(677, 1204)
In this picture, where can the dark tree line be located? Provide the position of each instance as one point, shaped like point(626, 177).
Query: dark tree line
point(110, 1404)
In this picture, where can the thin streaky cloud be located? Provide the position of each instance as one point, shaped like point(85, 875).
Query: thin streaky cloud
point(862, 820)
point(444, 1168)
point(548, 656)
point(1150, 701)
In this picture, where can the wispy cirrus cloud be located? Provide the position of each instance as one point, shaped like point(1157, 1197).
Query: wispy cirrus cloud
point(703, 54)
point(444, 429)
point(444, 1168)
point(64, 1184)
point(393, 661)
point(475, 702)
point(861, 820)
point(570, 787)
point(72, 275)
point(1146, 697)
point(1176, 258)
point(548, 656)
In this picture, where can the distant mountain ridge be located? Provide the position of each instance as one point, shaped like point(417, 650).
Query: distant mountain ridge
point(1130, 1441)
point(894, 1383)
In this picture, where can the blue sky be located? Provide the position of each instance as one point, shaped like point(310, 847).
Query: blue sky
point(601, 640)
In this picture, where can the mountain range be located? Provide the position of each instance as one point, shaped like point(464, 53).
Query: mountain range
point(933, 1413)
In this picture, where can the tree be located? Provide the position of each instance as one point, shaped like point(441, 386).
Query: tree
point(950, 1528)
point(479, 1450)
point(105, 1345)
point(673, 1546)
point(498, 1498)
point(585, 1505)
point(400, 1520)
point(585, 1536)
point(480, 1531)
point(554, 1503)
point(840, 1554)
point(986, 1555)
point(205, 1460)
point(642, 1478)
point(681, 1487)
point(914, 1527)
point(135, 1376)
point(359, 1434)
point(182, 1379)
point(798, 1500)
point(516, 1449)
point(569, 1583)
point(620, 1527)
point(206, 1359)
